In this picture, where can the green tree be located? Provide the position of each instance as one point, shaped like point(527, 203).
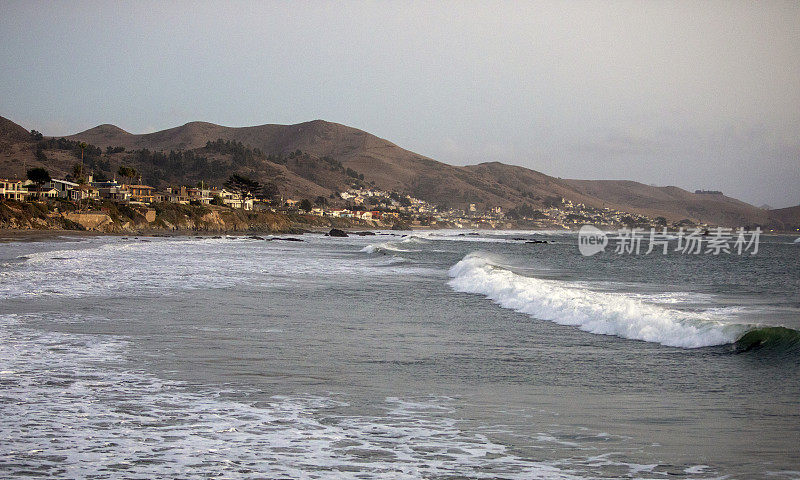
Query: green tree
point(525, 211)
point(122, 171)
point(270, 191)
point(305, 205)
point(242, 185)
point(39, 176)
point(77, 173)
point(127, 172)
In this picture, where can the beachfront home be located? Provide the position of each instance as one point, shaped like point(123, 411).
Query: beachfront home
point(12, 189)
point(42, 193)
point(83, 192)
point(235, 200)
point(178, 195)
point(140, 193)
point(111, 190)
point(202, 195)
point(61, 186)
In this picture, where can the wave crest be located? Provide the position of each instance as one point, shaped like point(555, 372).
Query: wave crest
point(594, 312)
point(399, 246)
point(777, 340)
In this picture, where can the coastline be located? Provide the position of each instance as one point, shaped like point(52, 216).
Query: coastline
point(35, 235)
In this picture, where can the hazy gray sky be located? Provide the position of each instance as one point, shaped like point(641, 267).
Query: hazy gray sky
point(694, 94)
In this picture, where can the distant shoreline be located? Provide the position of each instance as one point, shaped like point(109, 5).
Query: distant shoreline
point(33, 235)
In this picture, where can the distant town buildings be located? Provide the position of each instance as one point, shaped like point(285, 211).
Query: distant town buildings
point(366, 204)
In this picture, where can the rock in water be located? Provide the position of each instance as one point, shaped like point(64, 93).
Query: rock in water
point(335, 232)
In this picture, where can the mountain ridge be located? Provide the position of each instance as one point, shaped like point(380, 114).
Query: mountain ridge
point(390, 167)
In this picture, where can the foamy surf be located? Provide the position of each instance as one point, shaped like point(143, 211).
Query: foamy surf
point(399, 246)
point(594, 312)
point(78, 385)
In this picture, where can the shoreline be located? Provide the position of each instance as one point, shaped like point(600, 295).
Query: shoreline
point(36, 235)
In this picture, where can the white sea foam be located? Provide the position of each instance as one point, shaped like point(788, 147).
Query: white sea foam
point(596, 312)
point(386, 246)
point(159, 266)
point(74, 410)
point(406, 245)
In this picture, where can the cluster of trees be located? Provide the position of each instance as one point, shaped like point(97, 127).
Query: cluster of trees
point(312, 165)
point(128, 173)
point(352, 173)
point(305, 205)
point(552, 202)
point(248, 187)
point(524, 211)
point(79, 149)
point(240, 154)
point(38, 175)
point(401, 199)
point(243, 185)
point(176, 165)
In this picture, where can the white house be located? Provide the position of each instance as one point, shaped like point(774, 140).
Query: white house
point(12, 189)
point(61, 186)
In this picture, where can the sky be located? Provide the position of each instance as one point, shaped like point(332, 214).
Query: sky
point(702, 95)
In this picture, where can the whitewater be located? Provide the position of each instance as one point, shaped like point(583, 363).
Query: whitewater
point(594, 312)
point(436, 354)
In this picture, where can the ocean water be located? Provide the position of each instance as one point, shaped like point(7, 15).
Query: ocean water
point(437, 355)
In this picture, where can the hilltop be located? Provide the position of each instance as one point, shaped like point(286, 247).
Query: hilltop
point(319, 158)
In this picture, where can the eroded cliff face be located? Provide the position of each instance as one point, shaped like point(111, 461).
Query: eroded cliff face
point(118, 218)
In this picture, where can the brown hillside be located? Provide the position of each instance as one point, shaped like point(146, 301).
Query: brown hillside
point(786, 218)
point(671, 202)
point(16, 149)
point(11, 132)
point(391, 167)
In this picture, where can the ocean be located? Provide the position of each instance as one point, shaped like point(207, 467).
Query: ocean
point(404, 355)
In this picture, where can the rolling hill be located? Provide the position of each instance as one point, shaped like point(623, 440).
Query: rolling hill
point(319, 158)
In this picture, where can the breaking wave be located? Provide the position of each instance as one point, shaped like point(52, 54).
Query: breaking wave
point(605, 313)
point(405, 245)
point(779, 341)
